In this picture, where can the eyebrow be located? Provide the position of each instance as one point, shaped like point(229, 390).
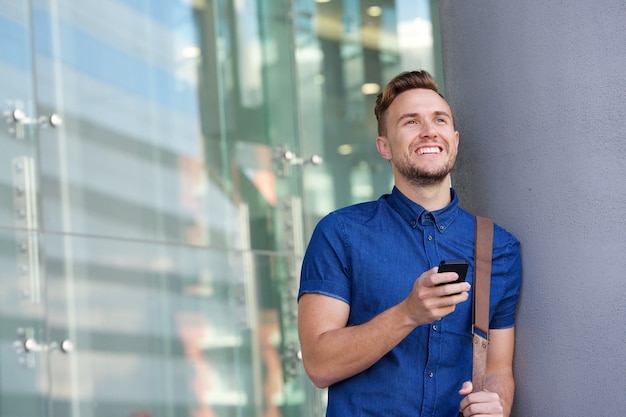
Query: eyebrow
point(435, 113)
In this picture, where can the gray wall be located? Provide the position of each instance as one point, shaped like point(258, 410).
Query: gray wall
point(539, 91)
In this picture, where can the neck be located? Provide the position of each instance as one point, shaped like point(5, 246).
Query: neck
point(431, 197)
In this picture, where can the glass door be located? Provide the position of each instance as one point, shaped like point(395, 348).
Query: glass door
point(284, 119)
point(260, 125)
point(151, 279)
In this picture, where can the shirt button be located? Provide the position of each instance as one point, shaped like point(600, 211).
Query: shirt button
point(413, 223)
point(430, 237)
point(440, 227)
point(430, 374)
point(435, 327)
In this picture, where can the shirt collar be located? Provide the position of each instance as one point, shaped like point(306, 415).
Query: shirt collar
point(415, 214)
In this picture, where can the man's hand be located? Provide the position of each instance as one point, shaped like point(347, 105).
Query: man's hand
point(483, 403)
point(429, 302)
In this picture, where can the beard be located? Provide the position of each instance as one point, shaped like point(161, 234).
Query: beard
point(421, 177)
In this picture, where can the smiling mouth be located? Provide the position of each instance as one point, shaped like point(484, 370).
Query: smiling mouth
point(429, 150)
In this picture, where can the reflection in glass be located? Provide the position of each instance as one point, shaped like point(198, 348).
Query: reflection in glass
point(162, 227)
point(346, 51)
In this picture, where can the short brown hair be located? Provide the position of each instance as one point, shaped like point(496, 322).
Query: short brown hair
point(402, 82)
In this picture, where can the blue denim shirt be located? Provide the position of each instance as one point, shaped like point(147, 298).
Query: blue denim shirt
point(369, 255)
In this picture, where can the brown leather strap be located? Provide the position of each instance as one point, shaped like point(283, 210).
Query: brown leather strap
point(483, 249)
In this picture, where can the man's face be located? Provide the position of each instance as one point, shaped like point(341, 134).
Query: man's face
point(420, 142)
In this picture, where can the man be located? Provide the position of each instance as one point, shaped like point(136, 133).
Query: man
point(374, 325)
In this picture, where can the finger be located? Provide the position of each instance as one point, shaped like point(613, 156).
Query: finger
point(467, 388)
point(429, 278)
point(442, 278)
point(455, 289)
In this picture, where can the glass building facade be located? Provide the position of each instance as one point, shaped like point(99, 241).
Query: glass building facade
point(162, 164)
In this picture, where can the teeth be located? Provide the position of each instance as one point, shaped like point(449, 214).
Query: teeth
point(423, 151)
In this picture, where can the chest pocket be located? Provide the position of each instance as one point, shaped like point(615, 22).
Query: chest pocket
point(379, 285)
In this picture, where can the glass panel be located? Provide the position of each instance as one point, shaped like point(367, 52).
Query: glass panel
point(23, 354)
point(285, 121)
point(23, 358)
point(18, 119)
point(130, 158)
point(162, 330)
point(158, 330)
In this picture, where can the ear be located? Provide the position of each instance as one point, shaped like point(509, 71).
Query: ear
point(456, 135)
point(382, 146)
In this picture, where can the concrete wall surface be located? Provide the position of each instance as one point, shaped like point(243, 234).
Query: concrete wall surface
point(539, 93)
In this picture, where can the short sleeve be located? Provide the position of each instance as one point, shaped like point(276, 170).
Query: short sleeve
point(326, 267)
point(507, 270)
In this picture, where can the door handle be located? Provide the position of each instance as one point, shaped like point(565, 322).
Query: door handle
point(285, 158)
point(66, 346)
point(18, 116)
point(31, 345)
point(17, 119)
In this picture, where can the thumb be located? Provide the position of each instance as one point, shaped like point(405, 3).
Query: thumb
point(467, 388)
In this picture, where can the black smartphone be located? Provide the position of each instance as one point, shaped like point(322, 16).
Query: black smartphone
point(454, 265)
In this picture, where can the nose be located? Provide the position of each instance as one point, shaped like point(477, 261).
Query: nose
point(428, 130)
